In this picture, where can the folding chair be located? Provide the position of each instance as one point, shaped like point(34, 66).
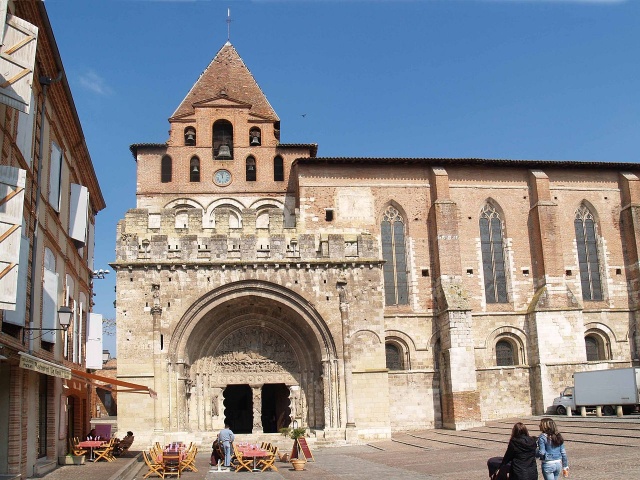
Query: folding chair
point(241, 463)
point(189, 462)
point(104, 452)
point(171, 464)
point(267, 462)
point(154, 467)
point(74, 449)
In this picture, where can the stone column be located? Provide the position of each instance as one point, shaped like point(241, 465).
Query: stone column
point(156, 313)
point(257, 408)
point(554, 321)
point(459, 389)
point(630, 230)
point(328, 394)
point(346, 356)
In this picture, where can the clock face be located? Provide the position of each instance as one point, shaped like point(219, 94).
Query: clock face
point(222, 177)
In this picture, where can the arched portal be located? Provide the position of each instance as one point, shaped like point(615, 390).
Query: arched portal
point(258, 355)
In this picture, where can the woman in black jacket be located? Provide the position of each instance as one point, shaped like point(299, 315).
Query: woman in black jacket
point(521, 452)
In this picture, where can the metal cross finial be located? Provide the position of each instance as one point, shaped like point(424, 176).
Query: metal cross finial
point(228, 24)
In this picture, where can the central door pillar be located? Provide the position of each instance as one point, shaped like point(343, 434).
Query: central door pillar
point(257, 408)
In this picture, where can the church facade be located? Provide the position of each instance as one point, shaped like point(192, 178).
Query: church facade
point(262, 285)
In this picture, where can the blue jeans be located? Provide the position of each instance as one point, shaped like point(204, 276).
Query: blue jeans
point(227, 453)
point(551, 470)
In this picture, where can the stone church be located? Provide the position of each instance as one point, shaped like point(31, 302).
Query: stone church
point(262, 285)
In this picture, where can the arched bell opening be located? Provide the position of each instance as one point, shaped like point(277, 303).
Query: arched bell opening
point(252, 334)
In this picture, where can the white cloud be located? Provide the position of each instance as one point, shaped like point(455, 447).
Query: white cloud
point(93, 82)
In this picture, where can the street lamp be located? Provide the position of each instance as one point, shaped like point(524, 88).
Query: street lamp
point(99, 273)
point(64, 318)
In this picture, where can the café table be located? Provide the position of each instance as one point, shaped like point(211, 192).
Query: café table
point(254, 452)
point(91, 444)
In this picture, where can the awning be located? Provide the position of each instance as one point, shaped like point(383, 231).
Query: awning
point(110, 382)
point(42, 366)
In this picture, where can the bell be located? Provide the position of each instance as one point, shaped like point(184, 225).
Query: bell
point(224, 152)
point(190, 138)
point(255, 140)
point(195, 169)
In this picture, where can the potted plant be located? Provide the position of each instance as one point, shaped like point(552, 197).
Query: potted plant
point(295, 433)
point(69, 459)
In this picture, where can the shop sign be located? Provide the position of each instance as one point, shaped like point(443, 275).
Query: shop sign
point(42, 366)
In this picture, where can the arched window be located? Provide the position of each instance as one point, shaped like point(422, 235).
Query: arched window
point(505, 355)
point(194, 169)
point(596, 344)
point(437, 351)
point(251, 169)
point(255, 138)
point(394, 356)
point(190, 136)
point(591, 345)
point(223, 140)
point(278, 169)
point(495, 281)
point(166, 169)
point(393, 253)
point(586, 242)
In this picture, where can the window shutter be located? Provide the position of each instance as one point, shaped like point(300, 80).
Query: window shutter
point(50, 305)
point(24, 136)
point(94, 342)
point(17, 316)
point(55, 167)
point(17, 59)
point(12, 181)
point(3, 17)
point(78, 213)
point(90, 245)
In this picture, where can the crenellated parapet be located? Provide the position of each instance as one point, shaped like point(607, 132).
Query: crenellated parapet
point(169, 236)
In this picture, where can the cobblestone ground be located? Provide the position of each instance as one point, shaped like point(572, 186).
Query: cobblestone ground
point(598, 449)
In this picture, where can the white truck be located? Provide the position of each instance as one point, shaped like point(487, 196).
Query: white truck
point(601, 388)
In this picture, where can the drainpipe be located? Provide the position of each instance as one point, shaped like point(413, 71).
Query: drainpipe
point(45, 82)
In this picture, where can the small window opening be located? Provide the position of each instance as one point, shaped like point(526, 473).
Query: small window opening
point(425, 272)
point(328, 215)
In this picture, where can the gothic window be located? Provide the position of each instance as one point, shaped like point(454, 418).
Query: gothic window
point(505, 355)
point(394, 356)
point(166, 168)
point(278, 169)
point(251, 169)
point(392, 231)
point(194, 169)
point(586, 242)
point(223, 140)
point(255, 139)
point(190, 136)
point(495, 280)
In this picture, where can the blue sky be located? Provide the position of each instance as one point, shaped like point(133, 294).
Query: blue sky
point(538, 79)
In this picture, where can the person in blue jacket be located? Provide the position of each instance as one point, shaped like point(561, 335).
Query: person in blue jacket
point(551, 451)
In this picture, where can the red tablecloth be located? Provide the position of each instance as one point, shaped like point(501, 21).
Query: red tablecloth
point(90, 443)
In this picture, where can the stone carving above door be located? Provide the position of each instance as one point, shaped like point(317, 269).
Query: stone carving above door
point(255, 350)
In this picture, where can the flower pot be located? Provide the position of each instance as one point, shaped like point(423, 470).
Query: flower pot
point(71, 460)
point(298, 464)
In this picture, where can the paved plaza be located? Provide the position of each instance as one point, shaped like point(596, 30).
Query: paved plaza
point(598, 449)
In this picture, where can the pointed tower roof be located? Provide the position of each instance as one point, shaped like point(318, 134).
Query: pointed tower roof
point(227, 76)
